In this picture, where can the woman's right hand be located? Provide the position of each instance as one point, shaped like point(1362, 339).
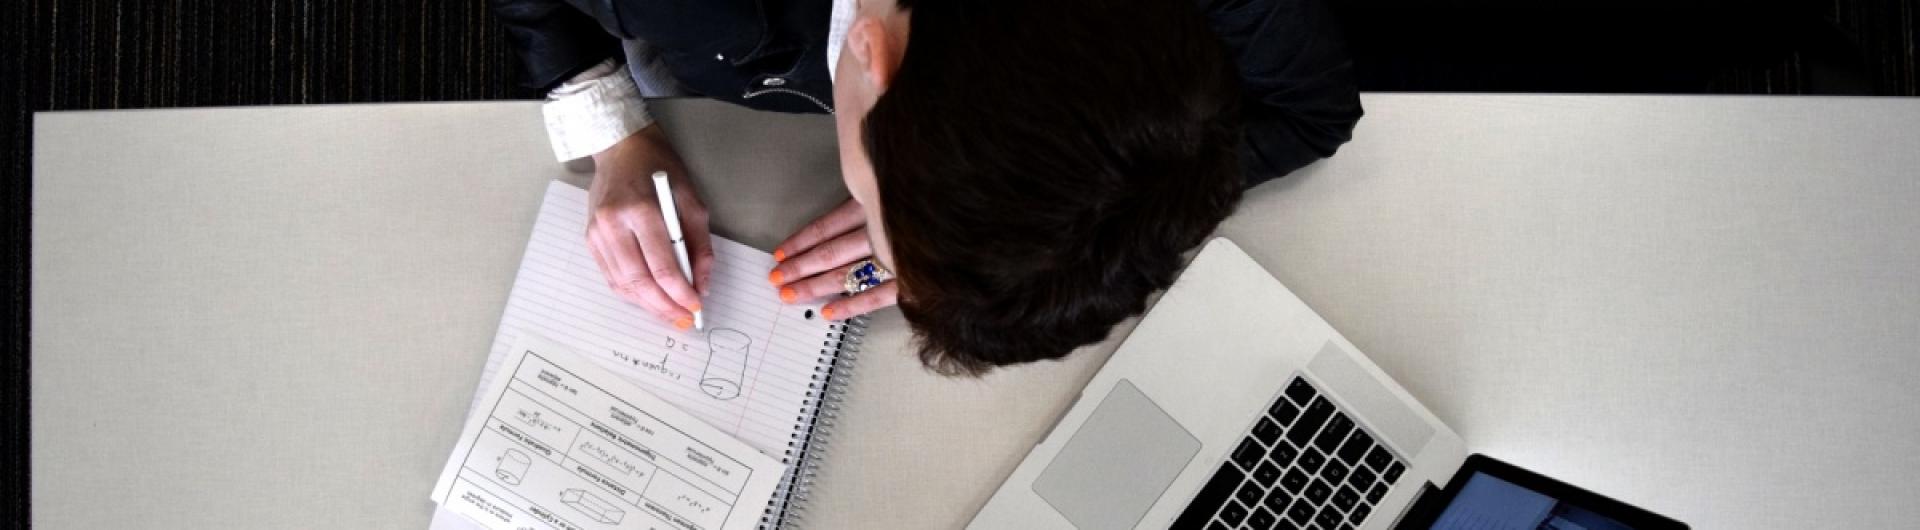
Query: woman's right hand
point(628, 238)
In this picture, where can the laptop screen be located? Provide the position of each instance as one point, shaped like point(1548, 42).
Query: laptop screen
point(1489, 503)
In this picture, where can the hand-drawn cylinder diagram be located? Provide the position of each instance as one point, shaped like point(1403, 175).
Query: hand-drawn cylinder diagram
point(513, 466)
point(727, 351)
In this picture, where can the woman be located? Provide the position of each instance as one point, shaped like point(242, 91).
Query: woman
point(1023, 175)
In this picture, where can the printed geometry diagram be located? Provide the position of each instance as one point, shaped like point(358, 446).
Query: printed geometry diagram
point(593, 506)
point(512, 467)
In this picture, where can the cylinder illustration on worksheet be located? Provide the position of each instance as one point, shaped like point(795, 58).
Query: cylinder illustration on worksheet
point(513, 466)
point(726, 363)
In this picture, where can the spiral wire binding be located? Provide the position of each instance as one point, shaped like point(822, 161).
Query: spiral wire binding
point(809, 443)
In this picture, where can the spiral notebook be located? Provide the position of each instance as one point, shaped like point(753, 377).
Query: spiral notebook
point(766, 373)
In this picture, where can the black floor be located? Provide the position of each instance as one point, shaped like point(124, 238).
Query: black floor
point(99, 54)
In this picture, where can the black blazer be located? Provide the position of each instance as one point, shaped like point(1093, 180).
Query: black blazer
point(1301, 100)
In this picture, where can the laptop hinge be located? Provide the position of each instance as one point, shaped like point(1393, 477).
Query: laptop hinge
point(1428, 494)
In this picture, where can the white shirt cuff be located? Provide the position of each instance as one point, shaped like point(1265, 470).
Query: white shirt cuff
point(594, 110)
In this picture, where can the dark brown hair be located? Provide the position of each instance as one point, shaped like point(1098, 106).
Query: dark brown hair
point(1042, 166)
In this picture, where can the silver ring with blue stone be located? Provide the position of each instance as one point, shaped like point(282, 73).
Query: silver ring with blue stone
point(865, 275)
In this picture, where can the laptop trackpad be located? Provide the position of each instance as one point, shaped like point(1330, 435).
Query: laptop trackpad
point(1118, 463)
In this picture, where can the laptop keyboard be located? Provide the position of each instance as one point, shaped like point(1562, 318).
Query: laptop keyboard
point(1305, 464)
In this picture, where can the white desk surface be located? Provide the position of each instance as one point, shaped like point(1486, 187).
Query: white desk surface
point(274, 317)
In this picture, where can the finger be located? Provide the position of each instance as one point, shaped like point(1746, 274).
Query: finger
point(816, 286)
point(635, 278)
point(841, 220)
point(699, 249)
point(628, 264)
point(594, 248)
point(650, 297)
point(596, 240)
point(835, 253)
point(880, 296)
point(663, 265)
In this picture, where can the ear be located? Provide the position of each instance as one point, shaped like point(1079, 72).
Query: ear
point(874, 51)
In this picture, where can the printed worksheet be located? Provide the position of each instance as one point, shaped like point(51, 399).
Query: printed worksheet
point(560, 443)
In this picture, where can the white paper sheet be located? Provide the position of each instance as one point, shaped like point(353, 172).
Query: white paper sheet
point(561, 443)
point(747, 373)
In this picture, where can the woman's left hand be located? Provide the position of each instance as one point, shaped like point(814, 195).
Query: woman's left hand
point(814, 262)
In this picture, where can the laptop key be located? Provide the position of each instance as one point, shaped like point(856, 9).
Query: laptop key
point(1310, 460)
point(1282, 454)
point(1359, 513)
point(1335, 432)
point(1283, 412)
point(1361, 479)
point(1277, 500)
point(1247, 454)
point(1328, 518)
point(1266, 474)
point(1310, 421)
point(1379, 491)
point(1294, 480)
point(1300, 391)
point(1218, 525)
point(1346, 498)
point(1379, 457)
point(1392, 474)
point(1233, 513)
point(1335, 472)
point(1267, 431)
point(1356, 446)
point(1211, 496)
point(1318, 491)
point(1301, 511)
point(1249, 493)
point(1261, 518)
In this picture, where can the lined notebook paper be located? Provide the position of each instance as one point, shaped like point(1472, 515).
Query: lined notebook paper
point(761, 371)
point(748, 373)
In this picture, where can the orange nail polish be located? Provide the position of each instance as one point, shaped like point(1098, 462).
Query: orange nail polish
point(827, 312)
point(695, 307)
point(684, 323)
point(774, 277)
point(779, 255)
point(787, 295)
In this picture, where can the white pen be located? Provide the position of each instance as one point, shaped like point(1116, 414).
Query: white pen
point(672, 215)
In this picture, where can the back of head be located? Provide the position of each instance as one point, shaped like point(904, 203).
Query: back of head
point(1043, 164)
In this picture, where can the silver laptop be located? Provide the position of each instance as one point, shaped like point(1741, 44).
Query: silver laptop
point(1233, 405)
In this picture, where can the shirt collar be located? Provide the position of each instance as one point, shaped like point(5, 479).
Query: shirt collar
point(837, 33)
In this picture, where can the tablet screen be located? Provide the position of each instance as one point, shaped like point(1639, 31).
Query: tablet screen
point(1489, 503)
